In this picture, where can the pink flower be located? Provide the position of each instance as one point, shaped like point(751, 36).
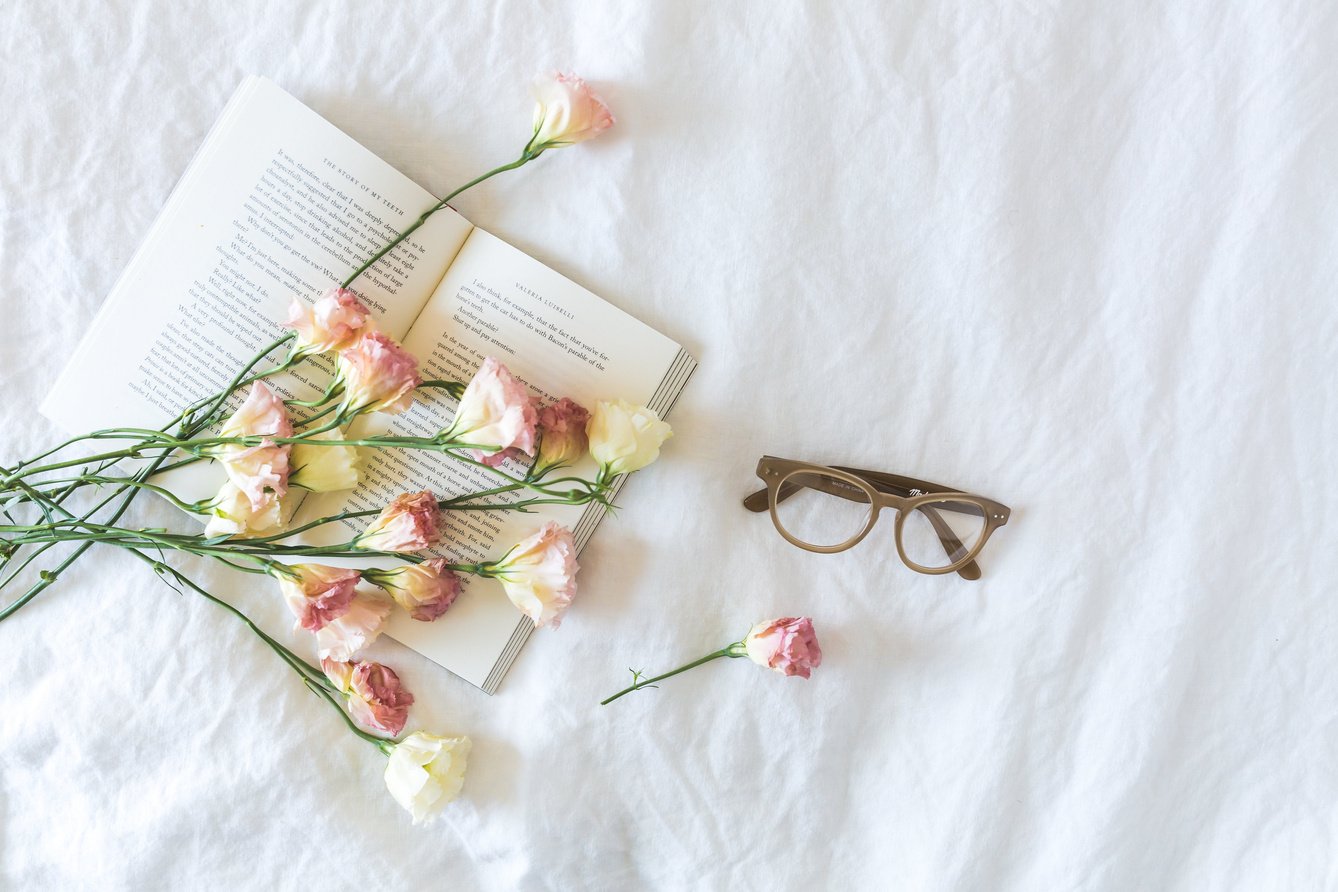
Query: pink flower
point(426, 590)
point(378, 375)
point(410, 523)
point(562, 438)
point(566, 112)
point(334, 322)
point(260, 471)
point(539, 574)
point(787, 645)
point(317, 594)
point(376, 697)
point(344, 636)
point(495, 411)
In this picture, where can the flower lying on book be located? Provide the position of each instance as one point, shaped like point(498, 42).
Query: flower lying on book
point(266, 446)
point(787, 645)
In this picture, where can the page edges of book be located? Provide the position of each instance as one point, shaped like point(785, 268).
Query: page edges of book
point(666, 396)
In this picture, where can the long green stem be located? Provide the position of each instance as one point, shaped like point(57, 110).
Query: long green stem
point(523, 159)
point(734, 650)
point(49, 577)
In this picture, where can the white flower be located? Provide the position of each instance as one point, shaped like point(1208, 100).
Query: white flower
point(566, 111)
point(624, 437)
point(495, 412)
point(539, 574)
point(426, 771)
point(323, 468)
point(232, 514)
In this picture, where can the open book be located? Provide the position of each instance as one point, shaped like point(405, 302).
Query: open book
point(278, 202)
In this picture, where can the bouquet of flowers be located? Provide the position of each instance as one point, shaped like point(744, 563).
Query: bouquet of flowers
point(269, 446)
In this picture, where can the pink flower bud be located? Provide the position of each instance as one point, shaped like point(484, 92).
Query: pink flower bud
point(539, 574)
point(317, 594)
point(376, 697)
point(261, 471)
point(566, 112)
point(562, 437)
point(410, 523)
point(495, 411)
point(787, 645)
point(334, 322)
point(344, 636)
point(378, 375)
point(426, 590)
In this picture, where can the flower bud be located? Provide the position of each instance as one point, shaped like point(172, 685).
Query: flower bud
point(787, 645)
point(317, 594)
point(376, 697)
point(562, 437)
point(410, 523)
point(378, 376)
point(624, 437)
point(334, 322)
point(539, 574)
point(566, 112)
point(426, 590)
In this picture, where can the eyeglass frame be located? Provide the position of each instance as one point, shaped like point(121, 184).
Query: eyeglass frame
point(884, 490)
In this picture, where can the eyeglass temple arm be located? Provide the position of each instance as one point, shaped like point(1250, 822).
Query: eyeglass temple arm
point(952, 546)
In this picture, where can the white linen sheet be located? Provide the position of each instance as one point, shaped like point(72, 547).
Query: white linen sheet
point(1077, 256)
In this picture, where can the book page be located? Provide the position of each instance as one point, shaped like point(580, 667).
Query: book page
point(277, 203)
point(560, 340)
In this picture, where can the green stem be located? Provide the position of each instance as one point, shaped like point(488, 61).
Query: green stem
point(523, 159)
point(189, 429)
point(734, 650)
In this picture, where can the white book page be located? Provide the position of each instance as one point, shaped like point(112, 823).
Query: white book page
point(558, 338)
point(277, 203)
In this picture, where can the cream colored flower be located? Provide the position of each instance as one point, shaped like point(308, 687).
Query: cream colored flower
point(566, 111)
point(426, 771)
point(624, 437)
point(539, 574)
point(231, 514)
point(334, 322)
point(323, 468)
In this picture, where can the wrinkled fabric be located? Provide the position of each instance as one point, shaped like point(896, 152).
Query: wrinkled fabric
point(1078, 257)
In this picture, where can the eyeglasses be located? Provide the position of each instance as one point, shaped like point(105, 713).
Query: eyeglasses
point(829, 509)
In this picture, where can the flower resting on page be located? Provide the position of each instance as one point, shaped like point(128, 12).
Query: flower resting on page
point(323, 468)
point(425, 590)
point(260, 471)
point(376, 698)
point(625, 438)
point(562, 437)
point(333, 322)
point(566, 111)
point(410, 523)
point(378, 375)
point(426, 771)
point(539, 574)
point(496, 413)
point(231, 514)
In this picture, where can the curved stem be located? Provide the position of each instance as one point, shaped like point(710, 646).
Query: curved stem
point(734, 650)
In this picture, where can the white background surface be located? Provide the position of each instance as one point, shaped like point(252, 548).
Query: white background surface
point(1076, 256)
